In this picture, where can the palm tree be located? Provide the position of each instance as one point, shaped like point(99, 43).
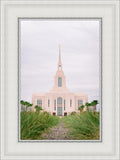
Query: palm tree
point(26, 104)
point(87, 105)
point(94, 103)
point(22, 104)
point(81, 108)
point(29, 105)
point(38, 108)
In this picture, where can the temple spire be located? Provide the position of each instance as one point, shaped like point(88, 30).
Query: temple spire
point(59, 63)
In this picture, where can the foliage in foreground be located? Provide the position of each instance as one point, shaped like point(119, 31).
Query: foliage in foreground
point(84, 126)
point(25, 105)
point(33, 124)
point(38, 108)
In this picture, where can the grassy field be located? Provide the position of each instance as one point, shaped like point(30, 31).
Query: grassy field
point(33, 124)
point(84, 126)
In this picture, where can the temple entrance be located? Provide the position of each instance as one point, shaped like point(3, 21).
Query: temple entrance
point(59, 111)
point(59, 106)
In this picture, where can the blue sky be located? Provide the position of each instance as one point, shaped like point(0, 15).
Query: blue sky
point(79, 41)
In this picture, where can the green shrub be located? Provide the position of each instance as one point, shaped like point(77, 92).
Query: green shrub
point(84, 126)
point(73, 113)
point(33, 124)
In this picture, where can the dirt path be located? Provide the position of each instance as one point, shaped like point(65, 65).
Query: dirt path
point(57, 133)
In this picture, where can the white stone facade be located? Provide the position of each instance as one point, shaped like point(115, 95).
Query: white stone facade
point(59, 101)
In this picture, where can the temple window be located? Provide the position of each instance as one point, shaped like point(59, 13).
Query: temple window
point(64, 105)
point(55, 105)
point(70, 102)
point(80, 102)
point(59, 82)
point(48, 103)
point(39, 103)
point(55, 102)
point(59, 100)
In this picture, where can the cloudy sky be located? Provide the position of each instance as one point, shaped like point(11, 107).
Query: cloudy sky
point(39, 45)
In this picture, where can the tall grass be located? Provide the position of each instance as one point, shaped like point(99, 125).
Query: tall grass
point(84, 126)
point(33, 124)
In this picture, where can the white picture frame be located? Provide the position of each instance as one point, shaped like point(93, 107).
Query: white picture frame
point(108, 11)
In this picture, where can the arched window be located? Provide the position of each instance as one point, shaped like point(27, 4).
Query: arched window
point(59, 82)
point(59, 100)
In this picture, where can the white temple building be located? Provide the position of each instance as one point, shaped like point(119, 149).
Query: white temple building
point(59, 101)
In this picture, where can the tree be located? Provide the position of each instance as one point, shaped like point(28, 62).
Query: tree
point(87, 105)
point(81, 108)
point(94, 103)
point(22, 105)
point(22, 102)
point(26, 104)
point(31, 104)
point(38, 108)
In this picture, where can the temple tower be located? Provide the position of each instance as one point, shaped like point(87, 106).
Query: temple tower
point(59, 79)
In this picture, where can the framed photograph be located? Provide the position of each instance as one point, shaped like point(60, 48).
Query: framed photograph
point(37, 68)
point(60, 79)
